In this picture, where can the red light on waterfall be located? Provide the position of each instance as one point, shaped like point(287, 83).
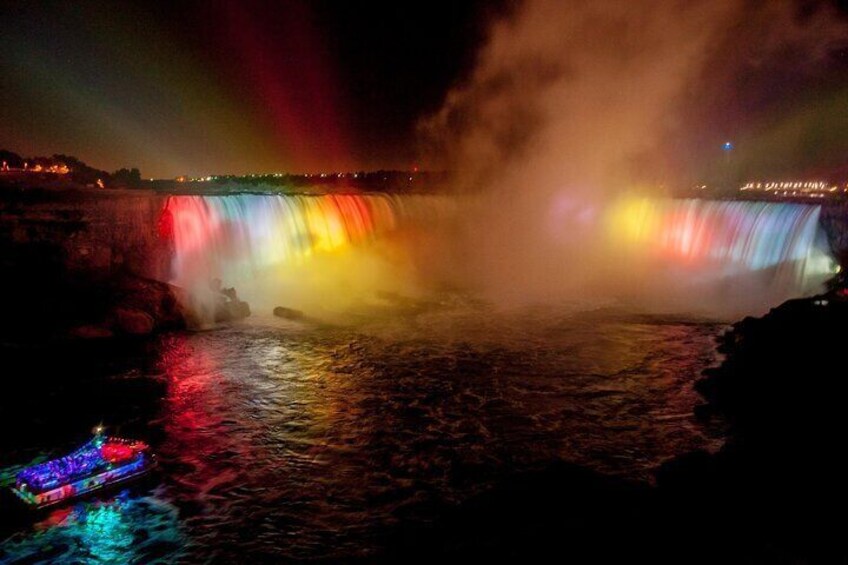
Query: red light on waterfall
point(165, 228)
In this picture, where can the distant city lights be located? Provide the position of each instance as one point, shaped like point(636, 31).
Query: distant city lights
point(795, 188)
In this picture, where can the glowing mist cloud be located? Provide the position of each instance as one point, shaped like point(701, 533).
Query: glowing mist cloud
point(569, 105)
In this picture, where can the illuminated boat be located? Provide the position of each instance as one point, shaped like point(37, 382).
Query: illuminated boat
point(102, 462)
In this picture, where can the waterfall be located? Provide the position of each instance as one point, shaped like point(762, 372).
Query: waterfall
point(751, 252)
point(728, 236)
point(263, 242)
point(322, 248)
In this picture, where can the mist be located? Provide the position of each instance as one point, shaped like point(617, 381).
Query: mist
point(566, 141)
point(573, 106)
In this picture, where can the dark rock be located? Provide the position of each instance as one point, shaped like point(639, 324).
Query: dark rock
point(778, 485)
point(288, 313)
point(91, 331)
point(72, 257)
point(157, 299)
point(134, 322)
point(228, 307)
point(237, 309)
point(138, 306)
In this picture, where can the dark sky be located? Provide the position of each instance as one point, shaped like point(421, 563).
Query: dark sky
point(217, 87)
point(230, 87)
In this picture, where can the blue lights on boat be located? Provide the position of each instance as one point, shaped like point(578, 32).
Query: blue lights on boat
point(99, 463)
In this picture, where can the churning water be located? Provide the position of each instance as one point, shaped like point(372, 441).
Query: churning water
point(283, 440)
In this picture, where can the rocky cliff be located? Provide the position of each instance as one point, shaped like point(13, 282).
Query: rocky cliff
point(85, 261)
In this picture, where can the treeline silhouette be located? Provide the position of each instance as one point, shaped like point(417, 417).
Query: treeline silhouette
point(77, 170)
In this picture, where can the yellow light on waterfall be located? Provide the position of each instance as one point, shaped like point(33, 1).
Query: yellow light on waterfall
point(633, 220)
point(326, 226)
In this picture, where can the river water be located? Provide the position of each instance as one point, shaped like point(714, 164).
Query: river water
point(283, 440)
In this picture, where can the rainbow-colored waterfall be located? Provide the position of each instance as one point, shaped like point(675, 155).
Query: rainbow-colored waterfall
point(293, 249)
point(727, 237)
point(242, 238)
point(726, 258)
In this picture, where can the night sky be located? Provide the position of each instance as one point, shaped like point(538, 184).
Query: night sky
point(230, 87)
point(202, 88)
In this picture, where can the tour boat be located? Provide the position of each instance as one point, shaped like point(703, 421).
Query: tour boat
point(101, 462)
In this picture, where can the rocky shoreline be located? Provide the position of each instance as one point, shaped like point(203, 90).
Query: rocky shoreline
point(773, 494)
point(124, 307)
point(88, 264)
point(781, 389)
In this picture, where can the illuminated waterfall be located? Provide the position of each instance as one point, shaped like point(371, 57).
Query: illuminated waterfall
point(312, 250)
point(245, 238)
point(726, 235)
point(732, 252)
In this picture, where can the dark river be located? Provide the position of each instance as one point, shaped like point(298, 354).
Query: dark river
point(287, 440)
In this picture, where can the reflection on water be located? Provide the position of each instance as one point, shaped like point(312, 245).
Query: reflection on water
point(282, 440)
point(125, 528)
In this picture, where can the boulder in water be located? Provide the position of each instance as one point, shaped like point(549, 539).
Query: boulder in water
point(229, 307)
point(236, 309)
point(288, 313)
point(134, 322)
point(91, 331)
point(159, 300)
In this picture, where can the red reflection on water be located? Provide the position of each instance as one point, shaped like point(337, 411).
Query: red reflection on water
point(58, 517)
point(189, 371)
